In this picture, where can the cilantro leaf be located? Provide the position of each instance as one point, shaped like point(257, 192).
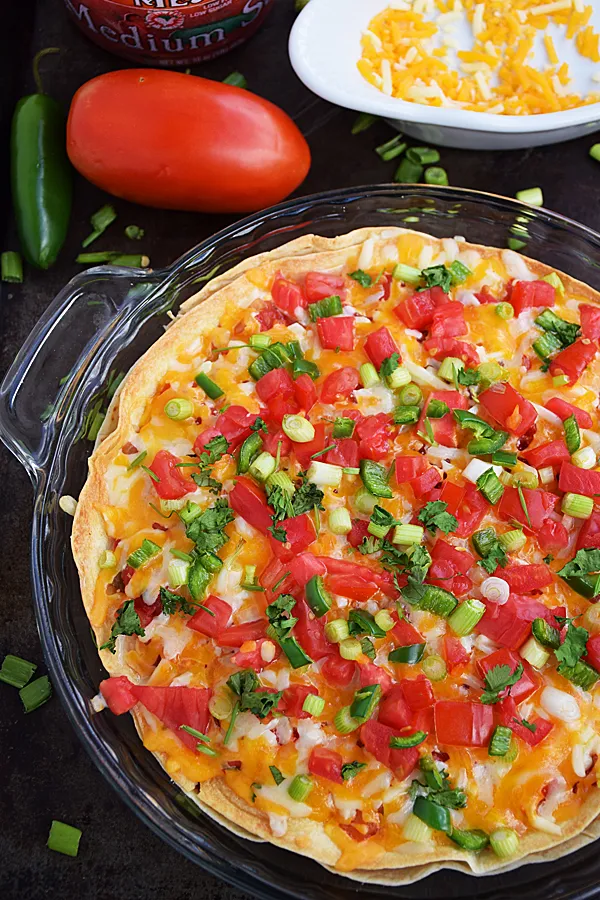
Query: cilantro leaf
point(467, 377)
point(389, 365)
point(370, 544)
point(278, 532)
point(127, 622)
point(259, 425)
point(204, 479)
point(451, 799)
point(499, 679)
point(279, 615)
point(495, 555)
point(307, 497)
point(363, 278)
point(349, 770)
point(207, 530)
point(246, 685)
point(172, 602)
point(583, 563)
point(437, 276)
point(281, 502)
point(531, 726)
point(382, 518)
point(573, 647)
point(434, 515)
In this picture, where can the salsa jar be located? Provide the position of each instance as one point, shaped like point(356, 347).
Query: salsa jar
point(169, 32)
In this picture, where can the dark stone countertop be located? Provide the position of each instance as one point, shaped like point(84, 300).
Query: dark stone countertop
point(44, 771)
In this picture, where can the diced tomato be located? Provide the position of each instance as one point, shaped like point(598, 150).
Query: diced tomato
point(338, 670)
point(288, 296)
point(452, 495)
point(509, 408)
point(282, 406)
point(251, 658)
point(444, 428)
point(573, 360)
point(355, 572)
point(319, 285)
point(471, 511)
point(369, 426)
point(417, 310)
point(360, 530)
point(336, 331)
point(441, 347)
point(377, 447)
point(460, 585)
point(277, 573)
point(463, 724)
point(176, 706)
point(275, 384)
point(310, 632)
point(551, 453)
point(304, 567)
point(380, 345)
point(376, 739)
point(370, 673)
point(303, 452)
point(485, 295)
point(353, 587)
point(404, 633)
point(275, 437)
point(527, 683)
point(454, 653)
point(539, 505)
point(345, 453)
point(204, 437)
point(326, 764)
point(552, 536)
point(589, 535)
point(234, 424)
point(531, 294)
point(239, 634)
point(507, 714)
point(409, 467)
point(417, 692)
point(147, 612)
point(590, 322)
point(293, 698)
point(508, 625)
point(268, 316)
point(424, 720)
point(525, 579)
point(563, 410)
point(248, 501)
point(211, 625)
point(449, 321)
point(394, 710)
point(305, 392)
point(593, 652)
point(423, 484)
point(579, 481)
point(300, 533)
point(118, 694)
point(462, 560)
point(339, 384)
point(171, 484)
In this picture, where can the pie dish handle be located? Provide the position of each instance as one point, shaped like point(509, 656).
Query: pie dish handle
point(73, 335)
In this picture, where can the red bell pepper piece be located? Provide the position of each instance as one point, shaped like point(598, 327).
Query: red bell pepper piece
point(293, 698)
point(288, 296)
point(380, 345)
point(417, 692)
point(448, 321)
point(171, 484)
point(444, 428)
point(338, 670)
point(531, 294)
point(590, 322)
point(248, 501)
point(527, 683)
point(512, 412)
point(336, 331)
point(394, 710)
point(234, 424)
point(563, 410)
point(454, 653)
point(425, 483)
point(353, 587)
point(463, 724)
point(579, 481)
point(211, 625)
point(574, 359)
point(275, 437)
point(539, 506)
point(300, 533)
point(318, 285)
point(252, 658)
point(525, 579)
point(360, 530)
point(441, 347)
point(176, 706)
point(117, 692)
point(376, 739)
point(326, 764)
point(452, 495)
point(551, 453)
point(471, 511)
point(339, 384)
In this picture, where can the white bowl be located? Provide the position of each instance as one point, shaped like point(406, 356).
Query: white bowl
point(325, 47)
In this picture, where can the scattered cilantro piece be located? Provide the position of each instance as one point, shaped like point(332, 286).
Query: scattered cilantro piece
point(437, 276)
point(389, 365)
point(499, 679)
point(278, 533)
point(370, 544)
point(281, 502)
point(467, 377)
point(531, 726)
point(583, 563)
point(363, 278)
point(433, 515)
point(259, 425)
point(349, 770)
point(127, 622)
point(573, 647)
point(495, 555)
point(307, 497)
point(208, 530)
point(279, 615)
point(245, 684)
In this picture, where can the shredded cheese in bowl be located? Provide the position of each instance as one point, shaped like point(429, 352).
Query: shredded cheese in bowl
point(509, 57)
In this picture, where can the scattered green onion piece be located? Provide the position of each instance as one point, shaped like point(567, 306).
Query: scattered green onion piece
point(504, 458)
point(368, 375)
point(324, 474)
point(384, 620)
point(595, 152)
point(434, 667)
point(325, 308)
point(364, 120)
point(436, 175)
point(504, 842)
point(364, 501)
point(449, 369)
point(300, 788)
point(409, 740)
point(178, 572)
point(100, 221)
point(11, 266)
point(36, 693)
point(143, 554)
point(411, 395)
point(435, 816)
point(337, 631)
point(195, 733)
point(236, 79)
point(416, 830)
point(411, 654)
point(107, 560)
point(298, 429)
point(466, 616)
point(138, 459)
point(134, 232)
point(504, 310)
point(220, 705)
point(490, 372)
point(343, 427)
point(210, 387)
point(584, 458)
point(234, 714)
point(572, 434)
point(340, 521)
point(532, 196)
point(555, 281)
point(460, 273)
point(283, 481)
point(64, 838)
point(16, 671)
point(399, 378)
point(577, 506)
point(514, 540)
point(408, 274)
point(263, 466)
point(259, 341)
point(515, 244)
point(473, 841)
point(374, 478)
point(208, 751)
point(490, 486)
point(499, 744)
point(179, 409)
point(408, 172)
point(350, 648)
point(391, 149)
point(534, 653)
point(581, 674)
point(423, 155)
point(313, 704)
point(560, 380)
point(408, 534)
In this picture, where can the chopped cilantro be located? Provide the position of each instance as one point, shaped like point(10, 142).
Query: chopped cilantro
point(389, 365)
point(278, 532)
point(246, 685)
point(437, 276)
point(279, 615)
point(499, 679)
point(127, 622)
point(172, 602)
point(573, 647)
point(467, 377)
point(307, 497)
point(583, 563)
point(495, 555)
point(259, 425)
point(281, 502)
point(208, 529)
point(363, 278)
point(370, 544)
point(434, 515)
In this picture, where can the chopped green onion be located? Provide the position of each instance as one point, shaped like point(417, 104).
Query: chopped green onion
point(504, 458)
point(210, 387)
point(560, 380)
point(178, 572)
point(490, 486)
point(263, 466)
point(399, 378)
point(595, 152)
point(449, 369)
point(577, 505)
point(408, 534)
point(134, 232)
point(374, 478)
point(364, 501)
point(283, 481)
point(337, 631)
point(220, 705)
point(434, 667)
point(313, 704)
point(512, 541)
point(436, 175)
point(300, 788)
point(36, 693)
point(391, 149)
point(100, 221)
point(423, 155)
point(532, 196)
point(364, 120)
point(504, 842)
point(298, 429)
point(504, 310)
point(11, 266)
point(434, 815)
point(490, 372)
point(572, 434)
point(234, 714)
point(236, 79)
point(466, 616)
point(340, 521)
point(325, 308)
point(459, 271)
point(259, 341)
point(343, 427)
point(138, 459)
point(143, 554)
point(410, 654)
point(473, 841)
point(407, 274)
point(16, 671)
point(416, 830)
point(555, 281)
point(324, 474)
point(368, 375)
point(350, 648)
point(580, 674)
point(500, 741)
point(179, 409)
point(208, 751)
point(384, 620)
point(64, 838)
point(194, 733)
point(408, 172)
point(107, 560)
point(411, 395)
point(409, 740)
point(534, 653)
point(584, 458)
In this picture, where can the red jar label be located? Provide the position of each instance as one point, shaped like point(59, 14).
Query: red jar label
point(169, 32)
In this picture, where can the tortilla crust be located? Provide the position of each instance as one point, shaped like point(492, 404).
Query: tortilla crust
point(199, 315)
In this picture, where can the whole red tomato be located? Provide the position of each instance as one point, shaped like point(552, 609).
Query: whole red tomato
point(176, 141)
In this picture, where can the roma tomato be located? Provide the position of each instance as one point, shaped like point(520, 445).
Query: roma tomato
point(319, 285)
point(463, 724)
point(211, 623)
point(340, 383)
point(118, 694)
point(337, 670)
point(574, 359)
point(293, 699)
point(563, 410)
point(176, 706)
point(171, 484)
point(237, 635)
point(248, 501)
point(337, 331)
point(394, 710)
point(509, 408)
point(176, 141)
point(326, 763)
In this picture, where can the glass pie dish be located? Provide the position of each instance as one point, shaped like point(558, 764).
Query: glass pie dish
point(58, 386)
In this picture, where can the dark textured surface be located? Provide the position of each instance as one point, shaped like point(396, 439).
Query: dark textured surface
point(44, 772)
